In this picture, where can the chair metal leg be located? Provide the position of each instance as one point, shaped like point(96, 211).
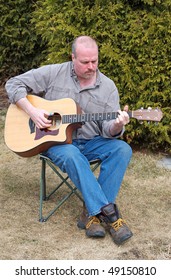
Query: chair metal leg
point(43, 194)
point(42, 189)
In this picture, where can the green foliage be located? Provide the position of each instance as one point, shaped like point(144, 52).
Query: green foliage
point(134, 44)
point(20, 46)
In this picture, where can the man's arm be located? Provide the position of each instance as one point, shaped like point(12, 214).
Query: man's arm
point(35, 80)
point(18, 87)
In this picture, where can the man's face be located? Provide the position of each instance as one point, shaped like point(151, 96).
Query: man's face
point(85, 61)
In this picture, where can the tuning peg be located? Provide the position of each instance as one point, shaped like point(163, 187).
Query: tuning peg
point(140, 122)
point(149, 108)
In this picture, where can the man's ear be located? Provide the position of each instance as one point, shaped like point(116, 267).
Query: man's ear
point(126, 108)
point(73, 57)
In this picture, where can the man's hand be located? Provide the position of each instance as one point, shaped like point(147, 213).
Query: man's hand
point(38, 116)
point(120, 121)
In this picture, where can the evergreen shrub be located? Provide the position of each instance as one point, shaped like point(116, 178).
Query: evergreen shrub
point(20, 48)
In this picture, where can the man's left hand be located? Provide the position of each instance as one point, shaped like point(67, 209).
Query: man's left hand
point(120, 121)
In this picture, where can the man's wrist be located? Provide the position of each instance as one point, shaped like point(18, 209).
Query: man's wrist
point(115, 129)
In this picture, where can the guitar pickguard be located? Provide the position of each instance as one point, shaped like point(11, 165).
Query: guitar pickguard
point(44, 132)
point(32, 126)
point(39, 133)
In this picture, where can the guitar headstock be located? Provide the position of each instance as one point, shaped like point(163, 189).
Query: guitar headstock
point(148, 114)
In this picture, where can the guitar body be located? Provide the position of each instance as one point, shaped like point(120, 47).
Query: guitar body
point(23, 138)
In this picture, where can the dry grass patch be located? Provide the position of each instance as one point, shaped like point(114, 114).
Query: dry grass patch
point(144, 200)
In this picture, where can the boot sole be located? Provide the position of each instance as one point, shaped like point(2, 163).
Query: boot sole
point(97, 234)
point(81, 225)
point(123, 241)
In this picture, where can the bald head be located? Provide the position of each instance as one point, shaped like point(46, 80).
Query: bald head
point(87, 41)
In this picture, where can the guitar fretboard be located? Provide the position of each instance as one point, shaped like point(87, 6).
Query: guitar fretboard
point(89, 117)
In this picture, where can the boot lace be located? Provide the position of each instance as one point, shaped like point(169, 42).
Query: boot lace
point(118, 224)
point(93, 220)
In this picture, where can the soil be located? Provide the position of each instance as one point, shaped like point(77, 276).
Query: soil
point(3, 98)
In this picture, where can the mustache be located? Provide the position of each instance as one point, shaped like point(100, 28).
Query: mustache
point(90, 71)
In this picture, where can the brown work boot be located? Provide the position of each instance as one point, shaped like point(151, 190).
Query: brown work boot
point(90, 224)
point(117, 226)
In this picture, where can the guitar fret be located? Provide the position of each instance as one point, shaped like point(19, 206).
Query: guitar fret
point(96, 115)
point(83, 118)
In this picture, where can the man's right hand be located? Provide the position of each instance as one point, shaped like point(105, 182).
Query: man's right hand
point(38, 116)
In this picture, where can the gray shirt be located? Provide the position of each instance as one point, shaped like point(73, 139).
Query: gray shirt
point(58, 81)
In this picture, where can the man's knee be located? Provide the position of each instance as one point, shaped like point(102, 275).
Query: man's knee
point(126, 149)
point(61, 154)
point(123, 149)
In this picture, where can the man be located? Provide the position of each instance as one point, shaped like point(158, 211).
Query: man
point(81, 80)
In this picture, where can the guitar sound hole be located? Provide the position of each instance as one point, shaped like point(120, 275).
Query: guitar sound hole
point(56, 121)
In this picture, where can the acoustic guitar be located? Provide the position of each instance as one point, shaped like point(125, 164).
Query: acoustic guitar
point(25, 139)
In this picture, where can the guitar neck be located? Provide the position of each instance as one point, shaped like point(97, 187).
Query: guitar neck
point(88, 117)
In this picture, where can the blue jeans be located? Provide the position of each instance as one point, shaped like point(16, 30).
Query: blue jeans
point(74, 158)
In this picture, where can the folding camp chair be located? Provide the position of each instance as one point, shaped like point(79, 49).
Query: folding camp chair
point(64, 180)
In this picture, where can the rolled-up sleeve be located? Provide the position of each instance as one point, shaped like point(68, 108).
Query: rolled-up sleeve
point(15, 90)
point(106, 130)
point(35, 80)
